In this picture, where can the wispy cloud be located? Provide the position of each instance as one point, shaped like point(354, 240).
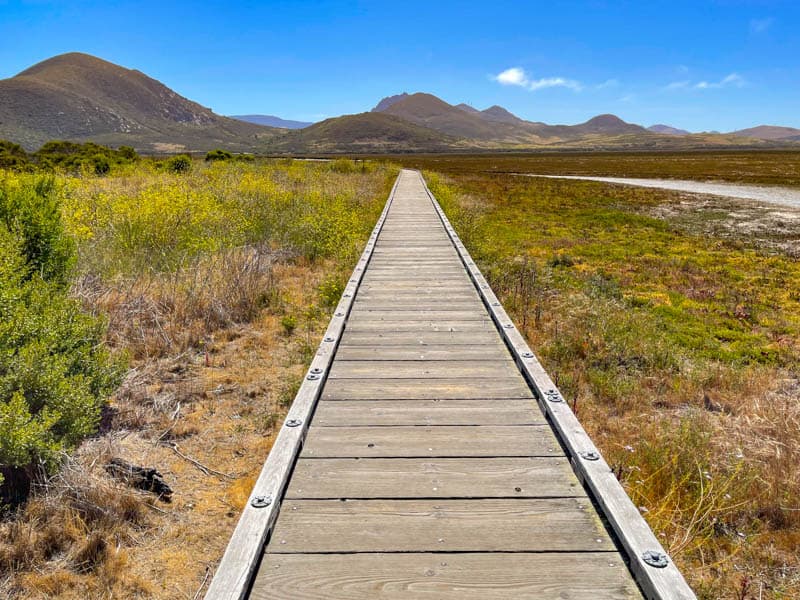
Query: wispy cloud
point(518, 77)
point(761, 25)
point(731, 80)
point(608, 83)
point(678, 85)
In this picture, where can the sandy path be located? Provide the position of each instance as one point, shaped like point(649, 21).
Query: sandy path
point(772, 195)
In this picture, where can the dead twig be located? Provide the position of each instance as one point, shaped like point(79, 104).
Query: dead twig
point(198, 464)
point(202, 584)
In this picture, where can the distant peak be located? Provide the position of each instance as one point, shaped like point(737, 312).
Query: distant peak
point(498, 113)
point(388, 101)
point(467, 108)
point(606, 119)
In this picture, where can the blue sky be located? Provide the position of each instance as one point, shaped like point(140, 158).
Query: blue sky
point(700, 65)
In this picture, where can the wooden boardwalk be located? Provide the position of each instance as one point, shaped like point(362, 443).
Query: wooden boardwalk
point(428, 469)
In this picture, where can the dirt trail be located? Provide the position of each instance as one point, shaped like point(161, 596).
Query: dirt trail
point(772, 195)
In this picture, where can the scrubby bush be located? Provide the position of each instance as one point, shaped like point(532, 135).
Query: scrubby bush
point(54, 371)
point(13, 156)
point(74, 157)
point(218, 155)
point(182, 163)
point(30, 209)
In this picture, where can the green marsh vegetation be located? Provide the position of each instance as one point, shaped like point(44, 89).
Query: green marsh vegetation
point(678, 348)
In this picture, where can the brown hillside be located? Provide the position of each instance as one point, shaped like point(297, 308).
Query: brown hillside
point(769, 132)
point(366, 132)
point(80, 97)
point(429, 111)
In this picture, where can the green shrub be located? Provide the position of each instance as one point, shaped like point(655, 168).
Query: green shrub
point(218, 155)
point(182, 163)
point(55, 373)
point(94, 158)
point(289, 324)
point(30, 208)
point(13, 156)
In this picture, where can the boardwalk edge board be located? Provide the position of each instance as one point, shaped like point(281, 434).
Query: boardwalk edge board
point(237, 568)
point(653, 569)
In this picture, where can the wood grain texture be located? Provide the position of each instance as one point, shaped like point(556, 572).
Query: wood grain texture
point(429, 576)
point(484, 525)
point(421, 369)
point(433, 478)
point(463, 441)
point(419, 389)
point(496, 351)
point(357, 413)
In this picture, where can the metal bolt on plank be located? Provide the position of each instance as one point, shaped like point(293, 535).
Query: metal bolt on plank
point(294, 423)
point(261, 501)
point(656, 559)
point(589, 455)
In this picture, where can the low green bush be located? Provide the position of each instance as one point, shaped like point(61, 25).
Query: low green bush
point(55, 373)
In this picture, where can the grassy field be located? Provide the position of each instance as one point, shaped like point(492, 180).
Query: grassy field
point(673, 329)
point(779, 167)
point(214, 284)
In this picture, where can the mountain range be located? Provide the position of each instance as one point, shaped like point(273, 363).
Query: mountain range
point(80, 97)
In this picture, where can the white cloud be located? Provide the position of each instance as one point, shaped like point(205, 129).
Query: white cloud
point(512, 76)
point(732, 80)
point(517, 76)
point(761, 25)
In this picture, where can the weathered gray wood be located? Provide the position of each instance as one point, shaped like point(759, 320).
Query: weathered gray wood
point(456, 441)
point(412, 324)
point(433, 478)
point(422, 339)
point(415, 389)
point(500, 576)
point(364, 315)
point(627, 522)
point(344, 369)
point(485, 525)
point(486, 351)
point(340, 413)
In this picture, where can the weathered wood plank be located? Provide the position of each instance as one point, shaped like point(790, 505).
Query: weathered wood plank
point(455, 441)
point(433, 478)
point(422, 338)
point(411, 324)
point(411, 389)
point(521, 576)
point(488, 525)
point(350, 369)
point(354, 413)
point(488, 351)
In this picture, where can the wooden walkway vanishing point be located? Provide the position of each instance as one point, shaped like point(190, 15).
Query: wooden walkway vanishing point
point(428, 455)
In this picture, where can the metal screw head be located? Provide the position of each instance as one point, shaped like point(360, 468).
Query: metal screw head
point(261, 501)
point(347, 295)
point(553, 396)
point(329, 339)
point(655, 559)
point(508, 326)
point(527, 355)
point(312, 377)
point(294, 423)
point(316, 370)
point(495, 304)
point(339, 314)
point(589, 455)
